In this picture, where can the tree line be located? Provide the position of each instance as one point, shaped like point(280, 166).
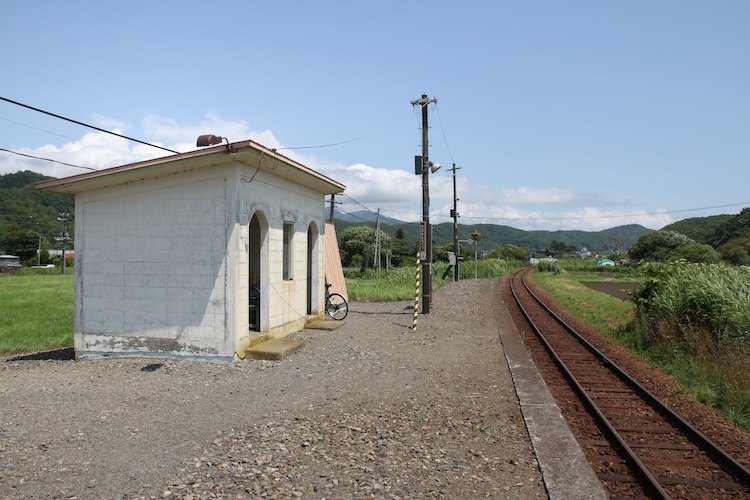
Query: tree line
point(29, 217)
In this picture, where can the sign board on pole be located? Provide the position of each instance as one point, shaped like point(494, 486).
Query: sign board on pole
point(422, 241)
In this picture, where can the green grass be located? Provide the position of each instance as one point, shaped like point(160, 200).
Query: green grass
point(400, 283)
point(694, 321)
point(714, 373)
point(602, 312)
point(36, 312)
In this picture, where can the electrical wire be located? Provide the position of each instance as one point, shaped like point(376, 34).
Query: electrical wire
point(352, 215)
point(46, 159)
point(336, 143)
point(440, 120)
point(582, 217)
point(447, 215)
point(85, 124)
point(36, 128)
point(361, 205)
point(101, 146)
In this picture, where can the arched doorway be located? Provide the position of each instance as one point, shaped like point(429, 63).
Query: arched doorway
point(256, 236)
point(312, 267)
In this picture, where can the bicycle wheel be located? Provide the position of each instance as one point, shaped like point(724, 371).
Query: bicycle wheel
point(337, 307)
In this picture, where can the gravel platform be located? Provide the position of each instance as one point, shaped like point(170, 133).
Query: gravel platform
point(368, 410)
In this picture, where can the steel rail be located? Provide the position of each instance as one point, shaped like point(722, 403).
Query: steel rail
point(730, 464)
point(647, 480)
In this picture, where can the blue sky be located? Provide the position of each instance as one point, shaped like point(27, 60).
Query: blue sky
point(560, 114)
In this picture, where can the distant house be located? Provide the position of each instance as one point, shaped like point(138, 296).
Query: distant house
point(58, 253)
point(191, 255)
point(534, 261)
point(9, 263)
point(605, 262)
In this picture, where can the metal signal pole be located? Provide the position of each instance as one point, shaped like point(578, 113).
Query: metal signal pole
point(427, 232)
point(454, 214)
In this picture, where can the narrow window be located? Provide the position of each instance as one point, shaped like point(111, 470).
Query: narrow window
point(288, 250)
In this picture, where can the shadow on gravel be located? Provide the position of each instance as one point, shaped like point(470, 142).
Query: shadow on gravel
point(63, 354)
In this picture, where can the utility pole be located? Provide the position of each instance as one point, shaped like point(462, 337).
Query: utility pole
point(454, 214)
point(63, 216)
point(333, 202)
point(39, 247)
point(377, 239)
point(387, 253)
point(426, 229)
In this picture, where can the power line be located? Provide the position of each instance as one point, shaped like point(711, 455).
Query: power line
point(352, 215)
point(101, 146)
point(440, 120)
point(37, 128)
point(581, 217)
point(84, 124)
point(361, 205)
point(337, 143)
point(46, 159)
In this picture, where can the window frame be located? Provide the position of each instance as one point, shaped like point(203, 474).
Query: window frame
point(287, 253)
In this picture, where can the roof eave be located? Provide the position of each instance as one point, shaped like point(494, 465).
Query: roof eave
point(180, 162)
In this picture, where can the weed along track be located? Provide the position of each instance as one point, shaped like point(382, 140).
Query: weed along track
point(635, 443)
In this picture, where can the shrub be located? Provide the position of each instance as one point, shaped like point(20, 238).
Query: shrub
point(697, 296)
point(658, 246)
point(695, 319)
point(546, 266)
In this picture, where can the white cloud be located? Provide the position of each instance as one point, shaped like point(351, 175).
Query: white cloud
point(100, 150)
point(109, 123)
point(527, 195)
point(398, 193)
point(547, 218)
point(183, 137)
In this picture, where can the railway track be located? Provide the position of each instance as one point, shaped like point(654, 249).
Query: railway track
point(635, 443)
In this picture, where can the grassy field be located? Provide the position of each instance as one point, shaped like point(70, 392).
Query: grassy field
point(600, 311)
point(36, 312)
point(399, 283)
point(712, 373)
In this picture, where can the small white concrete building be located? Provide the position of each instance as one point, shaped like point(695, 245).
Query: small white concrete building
point(191, 255)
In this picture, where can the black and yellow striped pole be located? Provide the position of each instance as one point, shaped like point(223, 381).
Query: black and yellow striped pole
point(416, 295)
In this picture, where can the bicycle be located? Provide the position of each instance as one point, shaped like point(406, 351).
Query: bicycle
point(336, 305)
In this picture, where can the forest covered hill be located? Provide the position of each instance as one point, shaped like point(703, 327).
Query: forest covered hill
point(493, 235)
point(22, 205)
point(715, 230)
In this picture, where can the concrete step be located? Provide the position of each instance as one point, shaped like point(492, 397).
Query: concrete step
point(257, 338)
point(274, 349)
point(325, 324)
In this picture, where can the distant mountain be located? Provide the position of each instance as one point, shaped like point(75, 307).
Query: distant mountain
point(701, 229)
point(23, 205)
point(614, 239)
point(364, 216)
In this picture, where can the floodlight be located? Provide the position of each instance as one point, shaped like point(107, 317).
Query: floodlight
point(209, 140)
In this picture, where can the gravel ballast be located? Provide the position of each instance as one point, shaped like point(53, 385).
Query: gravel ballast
point(368, 410)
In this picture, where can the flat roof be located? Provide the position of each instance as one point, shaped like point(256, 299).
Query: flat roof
point(248, 152)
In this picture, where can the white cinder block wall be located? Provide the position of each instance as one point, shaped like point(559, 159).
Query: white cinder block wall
point(276, 201)
point(162, 264)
